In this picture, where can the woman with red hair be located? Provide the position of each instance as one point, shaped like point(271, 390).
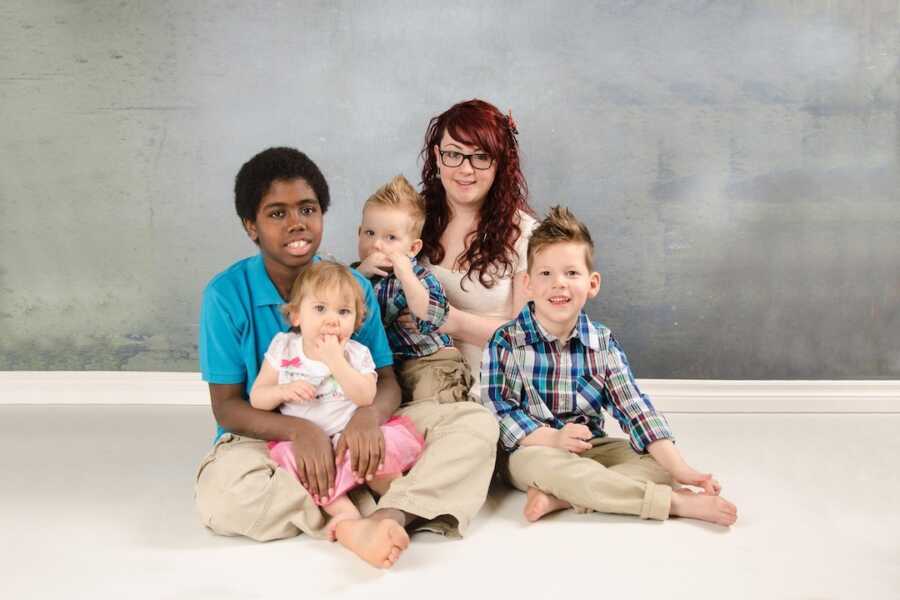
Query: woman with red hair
point(475, 241)
point(477, 221)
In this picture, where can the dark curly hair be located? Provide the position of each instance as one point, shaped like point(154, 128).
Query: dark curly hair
point(275, 164)
point(490, 251)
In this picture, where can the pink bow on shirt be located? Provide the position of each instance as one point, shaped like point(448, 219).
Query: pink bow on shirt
point(294, 362)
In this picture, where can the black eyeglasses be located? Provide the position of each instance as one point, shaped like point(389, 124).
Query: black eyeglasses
point(479, 160)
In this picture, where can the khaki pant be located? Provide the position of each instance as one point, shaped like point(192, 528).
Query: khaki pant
point(610, 477)
point(443, 376)
point(241, 491)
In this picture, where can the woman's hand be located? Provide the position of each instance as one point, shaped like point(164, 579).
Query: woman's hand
point(315, 459)
point(364, 439)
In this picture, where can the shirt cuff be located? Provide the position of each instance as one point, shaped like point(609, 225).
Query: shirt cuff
point(513, 429)
point(223, 378)
point(646, 429)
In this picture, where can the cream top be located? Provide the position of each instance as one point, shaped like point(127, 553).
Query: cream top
point(482, 301)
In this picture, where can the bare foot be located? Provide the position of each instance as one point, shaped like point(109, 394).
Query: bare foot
point(379, 543)
point(713, 509)
point(540, 504)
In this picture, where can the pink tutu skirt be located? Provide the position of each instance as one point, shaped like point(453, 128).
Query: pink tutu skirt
point(402, 447)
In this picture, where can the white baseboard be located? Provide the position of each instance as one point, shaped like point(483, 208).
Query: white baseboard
point(668, 395)
point(775, 396)
point(102, 387)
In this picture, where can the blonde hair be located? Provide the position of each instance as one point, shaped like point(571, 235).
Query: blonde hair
point(560, 226)
point(322, 277)
point(398, 193)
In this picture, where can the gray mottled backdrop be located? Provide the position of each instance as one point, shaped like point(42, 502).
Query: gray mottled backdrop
point(736, 161)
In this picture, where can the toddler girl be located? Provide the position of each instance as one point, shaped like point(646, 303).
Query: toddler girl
point(316, 372)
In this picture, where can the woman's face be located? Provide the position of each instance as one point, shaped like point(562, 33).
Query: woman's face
point(464, 184)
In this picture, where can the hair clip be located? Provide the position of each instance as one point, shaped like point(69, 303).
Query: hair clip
point(512, 123)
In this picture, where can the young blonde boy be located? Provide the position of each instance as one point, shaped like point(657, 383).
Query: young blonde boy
point(427, 364)
point(547, 375)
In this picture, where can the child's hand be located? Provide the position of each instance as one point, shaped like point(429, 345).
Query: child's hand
point(574, 438)
point(688, 476)
point(400, 262)
point(298, 391)
point(376, 263)
point(330, 349)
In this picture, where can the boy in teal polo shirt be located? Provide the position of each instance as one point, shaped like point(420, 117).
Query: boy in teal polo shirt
point(245, 292)
point(281, 197)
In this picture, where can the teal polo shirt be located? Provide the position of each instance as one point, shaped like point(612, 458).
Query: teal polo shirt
point(241, 313)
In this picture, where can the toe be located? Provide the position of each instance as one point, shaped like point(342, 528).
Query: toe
point(398, 536)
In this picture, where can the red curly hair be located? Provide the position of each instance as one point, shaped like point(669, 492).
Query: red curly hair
point(490, 251)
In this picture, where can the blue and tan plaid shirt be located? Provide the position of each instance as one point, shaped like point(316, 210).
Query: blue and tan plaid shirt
point(530, 379)
point(392, 301)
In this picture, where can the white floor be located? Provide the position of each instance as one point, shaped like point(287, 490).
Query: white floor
point(96, 503)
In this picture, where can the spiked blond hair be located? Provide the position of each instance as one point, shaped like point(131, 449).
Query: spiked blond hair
point(558, 227)
point(398, 193)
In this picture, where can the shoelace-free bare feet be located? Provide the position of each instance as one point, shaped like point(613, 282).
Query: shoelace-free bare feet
point(379, 543)
point(539, 504)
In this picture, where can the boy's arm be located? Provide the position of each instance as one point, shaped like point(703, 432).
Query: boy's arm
point(501, 392)
point(632, 409)
point(413, 289)
point(236, 415)
point(387, 395)
point(670, 459)
point(649, 431)
point(424, 297)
